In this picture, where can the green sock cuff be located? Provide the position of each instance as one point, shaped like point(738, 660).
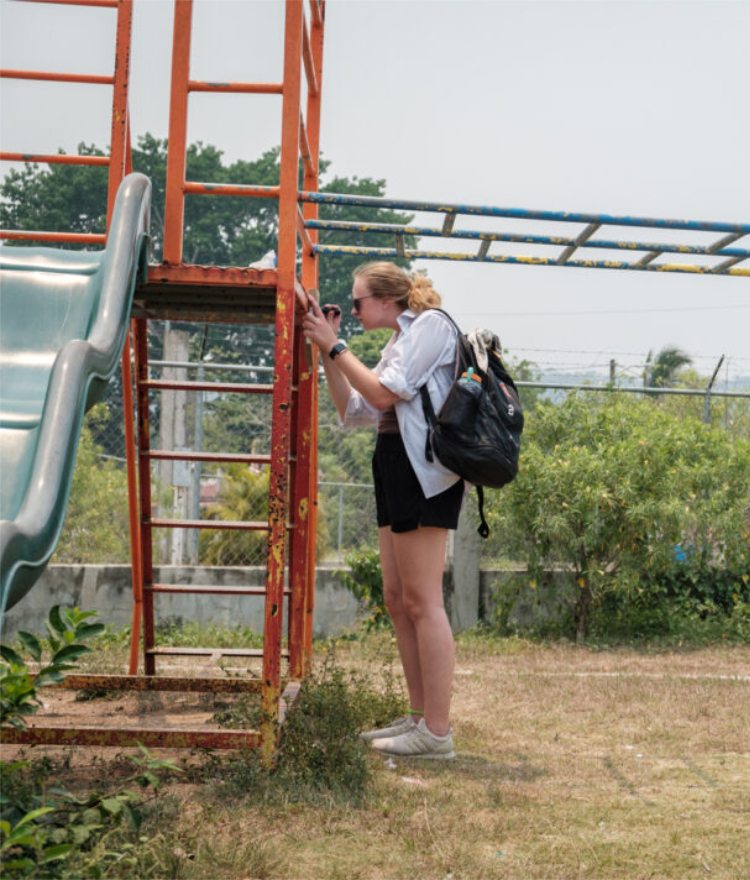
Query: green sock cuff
point(416, 711)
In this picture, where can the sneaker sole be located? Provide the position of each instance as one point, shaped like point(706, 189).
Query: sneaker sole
point(371, 736)
point(450, 756)
point(420, 756)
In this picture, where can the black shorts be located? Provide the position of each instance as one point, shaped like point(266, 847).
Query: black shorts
point(399, 498)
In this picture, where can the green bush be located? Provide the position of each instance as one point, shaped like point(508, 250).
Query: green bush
point(96, 528)
point(366, 583)
point(68, 629)
point(45, 831)
point(320, 756)
point(611, 487)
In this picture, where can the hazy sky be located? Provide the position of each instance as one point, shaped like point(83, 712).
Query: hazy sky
point(629, 108)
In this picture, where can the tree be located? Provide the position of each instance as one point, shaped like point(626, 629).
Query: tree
point(96, 525)
point(243, 497)
point(661, 372)
point(609, 487)
point(220, 231)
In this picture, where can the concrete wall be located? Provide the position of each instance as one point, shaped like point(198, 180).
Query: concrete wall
point(470, 595)
point(510, 597)
point(107, 589)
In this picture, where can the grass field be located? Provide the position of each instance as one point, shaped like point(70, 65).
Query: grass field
point(572, 763)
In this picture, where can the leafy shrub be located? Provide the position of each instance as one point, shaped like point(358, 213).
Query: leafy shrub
point(320, 753)
point(96, 523)
point(45, 829)
point(609, 488)
point(68, 629)
point(366, 583)
point(47, 832)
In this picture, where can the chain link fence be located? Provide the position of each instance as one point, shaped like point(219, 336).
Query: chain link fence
point(96, 529)
point(210, 422)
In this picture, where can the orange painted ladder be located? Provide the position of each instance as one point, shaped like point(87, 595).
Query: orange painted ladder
point(177, 291)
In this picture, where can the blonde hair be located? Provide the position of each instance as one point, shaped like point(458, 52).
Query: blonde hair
point(388, 281)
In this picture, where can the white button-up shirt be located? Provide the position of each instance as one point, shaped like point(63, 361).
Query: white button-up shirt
point(422, 352)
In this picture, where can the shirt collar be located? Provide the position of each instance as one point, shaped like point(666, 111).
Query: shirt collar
point(405, 318)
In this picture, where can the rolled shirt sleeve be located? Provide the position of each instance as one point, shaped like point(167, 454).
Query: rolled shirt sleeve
point(359, 413)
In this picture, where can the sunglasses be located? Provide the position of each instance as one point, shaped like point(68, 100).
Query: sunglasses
point(357, 301)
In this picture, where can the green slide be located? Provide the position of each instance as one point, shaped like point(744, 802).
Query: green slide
point(63, 320)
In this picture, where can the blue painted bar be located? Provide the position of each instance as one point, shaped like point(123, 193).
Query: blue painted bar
point(527, 261)
point(560, 241)
point(520, 213)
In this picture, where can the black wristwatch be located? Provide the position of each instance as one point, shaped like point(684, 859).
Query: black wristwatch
point(336, 350)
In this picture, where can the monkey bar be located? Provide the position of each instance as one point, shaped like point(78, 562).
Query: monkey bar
point(582, 238)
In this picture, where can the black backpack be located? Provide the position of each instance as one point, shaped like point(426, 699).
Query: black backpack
point(477, 433)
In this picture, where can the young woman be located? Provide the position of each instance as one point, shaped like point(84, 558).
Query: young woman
point(417, 501)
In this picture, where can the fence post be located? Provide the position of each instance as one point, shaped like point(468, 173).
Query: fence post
point(173, 436)
point(707, 401)
point(341, 521)
point(461, 577)
point(195, 501)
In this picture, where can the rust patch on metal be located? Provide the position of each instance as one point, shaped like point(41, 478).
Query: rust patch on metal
point(144, 683)
point(150, 738)
point(303, 508)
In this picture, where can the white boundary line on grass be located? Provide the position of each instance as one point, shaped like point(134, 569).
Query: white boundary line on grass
point(657, 675)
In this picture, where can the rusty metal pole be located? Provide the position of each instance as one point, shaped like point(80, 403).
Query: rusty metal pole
point(174, 205)
point(302, 568)
point(135, 534)
point(283, 352)
point(120, 163)
point(120, 129)
point(146, 573)
point(313, 122)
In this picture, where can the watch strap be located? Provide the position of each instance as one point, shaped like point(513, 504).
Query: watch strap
point(336, 350)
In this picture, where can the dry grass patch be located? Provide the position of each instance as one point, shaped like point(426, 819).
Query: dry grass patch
point(572, 763)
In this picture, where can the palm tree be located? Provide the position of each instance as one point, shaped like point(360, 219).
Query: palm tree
point(661, 372)
point(244, 497)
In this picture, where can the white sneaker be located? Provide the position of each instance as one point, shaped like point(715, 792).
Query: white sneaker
point(395, 728)
point(419, 742)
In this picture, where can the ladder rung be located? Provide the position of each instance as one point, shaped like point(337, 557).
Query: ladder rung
point(48, 76)
point(69, 237)
point(55, 158)
point(210, 652)
point(240, 87)
point(209, 524)
point(231, 189)
point(210, 589)
point(219, 387)
point(175, 737)
point(164, 455)
point(162, 683)
point(112, 4)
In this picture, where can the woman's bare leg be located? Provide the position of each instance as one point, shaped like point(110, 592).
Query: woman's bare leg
point(419, 558)
point(406, 637)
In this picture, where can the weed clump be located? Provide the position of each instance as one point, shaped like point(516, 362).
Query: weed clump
point(320, 755)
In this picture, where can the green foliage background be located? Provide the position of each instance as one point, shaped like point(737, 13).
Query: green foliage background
point(617, 490)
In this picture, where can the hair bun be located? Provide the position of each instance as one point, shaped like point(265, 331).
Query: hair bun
point(422, 295)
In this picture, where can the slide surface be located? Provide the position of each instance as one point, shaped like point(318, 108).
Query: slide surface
point(63, 322)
